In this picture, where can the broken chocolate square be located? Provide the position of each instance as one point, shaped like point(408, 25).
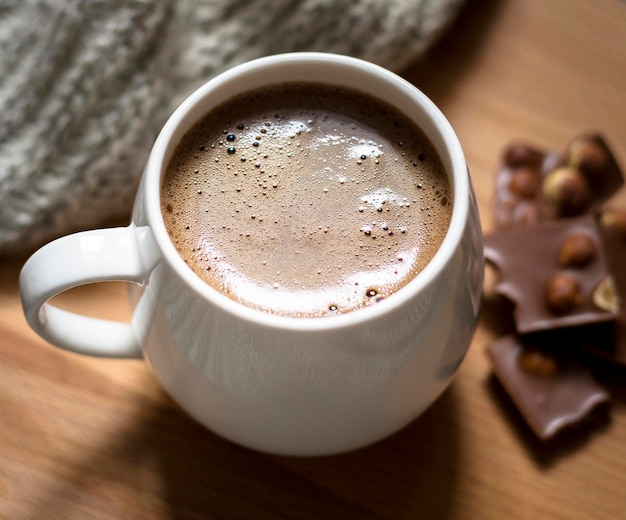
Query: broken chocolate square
point(534, 185)
point(551, 389)
point(555, 273)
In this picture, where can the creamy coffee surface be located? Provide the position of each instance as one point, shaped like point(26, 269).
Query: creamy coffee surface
point(305, 200)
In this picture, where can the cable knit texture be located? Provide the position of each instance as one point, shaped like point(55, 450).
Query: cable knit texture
point(85, 86)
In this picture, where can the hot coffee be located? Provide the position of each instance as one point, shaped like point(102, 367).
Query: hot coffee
point(306, 200)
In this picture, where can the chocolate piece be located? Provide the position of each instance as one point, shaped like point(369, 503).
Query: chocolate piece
point(547, 294)
point(550, 388)
point(534, 185)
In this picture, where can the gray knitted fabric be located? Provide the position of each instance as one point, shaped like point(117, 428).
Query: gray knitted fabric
point(85, 86)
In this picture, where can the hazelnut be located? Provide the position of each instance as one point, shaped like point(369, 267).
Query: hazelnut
point(525, 182)
point(562, 293)
point(537, 361)
point(615, 220)
point(577, 250)
point(588, 156)
point(567, 190)
point(519, 154)
point(606, 297)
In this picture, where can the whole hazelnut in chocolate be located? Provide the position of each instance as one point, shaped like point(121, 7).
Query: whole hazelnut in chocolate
point(577, 250)
point(563, 293)
point(525, 182)
point(615, 221)
point(566, 189)
point(588, 156)
point(538, 362)
point(520, 154)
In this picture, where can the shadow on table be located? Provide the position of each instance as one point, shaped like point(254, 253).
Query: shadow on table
point(439, 71)
point(160, 464)
point(165, 465)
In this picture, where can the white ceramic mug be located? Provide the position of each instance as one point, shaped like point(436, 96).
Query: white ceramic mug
point(296, 386)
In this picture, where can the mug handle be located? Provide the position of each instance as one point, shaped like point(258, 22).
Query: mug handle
point(73, 260)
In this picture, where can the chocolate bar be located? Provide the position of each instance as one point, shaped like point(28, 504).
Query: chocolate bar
point(555, 272)
point(534, 185)
point(551, 389)
point(561, 260)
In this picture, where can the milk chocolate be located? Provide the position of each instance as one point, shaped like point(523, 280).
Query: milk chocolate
point(533, 184)
point(561, 260)
point(552, 283)
point(549, 386)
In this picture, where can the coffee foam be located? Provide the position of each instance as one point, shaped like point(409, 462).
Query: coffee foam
point(326, 202)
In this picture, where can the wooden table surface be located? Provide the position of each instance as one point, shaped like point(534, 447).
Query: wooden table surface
point(85, 438)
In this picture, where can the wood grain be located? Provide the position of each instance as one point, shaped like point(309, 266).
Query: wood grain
point(91, 438)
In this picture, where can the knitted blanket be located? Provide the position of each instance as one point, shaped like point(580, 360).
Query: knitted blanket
point(85, 86)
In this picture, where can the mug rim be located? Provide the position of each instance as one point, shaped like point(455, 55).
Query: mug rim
point(458, 177)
